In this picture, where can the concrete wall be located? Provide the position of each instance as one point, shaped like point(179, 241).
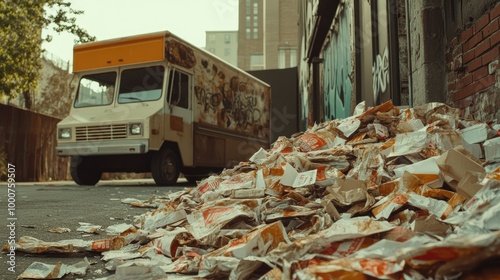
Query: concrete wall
point(427, 49)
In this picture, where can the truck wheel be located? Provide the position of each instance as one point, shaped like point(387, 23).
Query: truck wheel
point(165, 167)
point(83, 173)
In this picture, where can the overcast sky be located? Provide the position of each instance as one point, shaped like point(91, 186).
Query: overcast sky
point(107, 19)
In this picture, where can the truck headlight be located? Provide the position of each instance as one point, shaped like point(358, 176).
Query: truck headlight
point(64, 133)
point(135, 128)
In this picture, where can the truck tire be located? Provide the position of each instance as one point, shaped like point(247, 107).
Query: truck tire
point(165, 167)
point(84, 173)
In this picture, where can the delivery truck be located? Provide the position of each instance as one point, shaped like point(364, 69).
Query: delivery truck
point(156, 103)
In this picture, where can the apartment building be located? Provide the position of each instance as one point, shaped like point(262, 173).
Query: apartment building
point(223, 44)
point(267, 34)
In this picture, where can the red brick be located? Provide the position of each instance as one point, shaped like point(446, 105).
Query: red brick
point(473, 65)
point(490, 28)
point(463, 93)
point(481, 23)
point(480, 73)
point(453, 43)
point(457, 50)
point(468, 56)
point(452, 87)
point(466, 35)
point(482, 47)
point(490, 55)
point(495, 38)
point(452, 77)
point(495, 12)
point(465, 81)
point(473, 41)
point(473, 88)
point(485, 82)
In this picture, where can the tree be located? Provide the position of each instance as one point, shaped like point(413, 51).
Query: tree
point(21, 24)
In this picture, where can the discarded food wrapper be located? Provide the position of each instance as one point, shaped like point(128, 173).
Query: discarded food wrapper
point(295, 179)
point(358, 198)
point(257, 243)
point(492, 149)
point(30, 244)
point(59, 230)
point(38, 270)
point(88, 228)
point(455, 163)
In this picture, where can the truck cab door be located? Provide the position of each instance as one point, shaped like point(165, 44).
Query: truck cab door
point(179, 121)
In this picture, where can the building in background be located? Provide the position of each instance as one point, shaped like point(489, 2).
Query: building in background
point(267, 34)
point(223, 44)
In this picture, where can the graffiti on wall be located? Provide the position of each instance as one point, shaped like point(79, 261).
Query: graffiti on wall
point(338, 70)
point(380, 74)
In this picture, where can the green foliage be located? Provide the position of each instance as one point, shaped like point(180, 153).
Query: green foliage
point(21, 24)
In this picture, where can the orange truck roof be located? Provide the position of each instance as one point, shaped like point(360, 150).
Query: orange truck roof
point(121, 51)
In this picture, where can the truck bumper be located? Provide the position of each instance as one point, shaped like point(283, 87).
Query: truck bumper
point(103, 148)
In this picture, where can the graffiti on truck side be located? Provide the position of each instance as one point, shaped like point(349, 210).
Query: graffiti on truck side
point(230, 102)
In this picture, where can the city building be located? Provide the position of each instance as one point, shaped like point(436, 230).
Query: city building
point(267, 34)
point(223, 44)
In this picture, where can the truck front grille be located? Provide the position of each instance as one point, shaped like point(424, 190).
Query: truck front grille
point(101, 132)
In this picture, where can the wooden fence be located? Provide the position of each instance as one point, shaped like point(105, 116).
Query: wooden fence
point(29, 140)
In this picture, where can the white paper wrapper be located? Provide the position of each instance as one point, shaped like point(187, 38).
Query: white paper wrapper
point(38, 270)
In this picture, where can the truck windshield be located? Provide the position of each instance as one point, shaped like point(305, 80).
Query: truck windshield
point(96, 90)
point(141, 84)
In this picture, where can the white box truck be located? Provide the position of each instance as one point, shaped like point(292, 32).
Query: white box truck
point(155, 103)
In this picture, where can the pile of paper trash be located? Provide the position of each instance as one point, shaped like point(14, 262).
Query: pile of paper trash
point(388, 193)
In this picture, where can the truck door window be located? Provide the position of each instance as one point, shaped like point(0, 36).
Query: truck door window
point(141, 84)
point(178, 89)
point(96, 90)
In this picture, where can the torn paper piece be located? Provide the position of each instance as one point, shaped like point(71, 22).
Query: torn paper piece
point(30, 244)
point(292, 178)
point(39, 270)
point(88, 228)
point(492, 149)
point(59, 230)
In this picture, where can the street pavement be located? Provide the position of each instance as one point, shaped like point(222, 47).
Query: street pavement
point(40, 207)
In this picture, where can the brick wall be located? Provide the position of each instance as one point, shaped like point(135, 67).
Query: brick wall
point(473, 68)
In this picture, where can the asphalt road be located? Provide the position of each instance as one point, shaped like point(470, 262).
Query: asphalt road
point(40, 207)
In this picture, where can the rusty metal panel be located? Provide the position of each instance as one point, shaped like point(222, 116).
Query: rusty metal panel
point(209, 150)
point(29, 141)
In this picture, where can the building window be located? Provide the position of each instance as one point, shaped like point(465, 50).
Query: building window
point(255, 33)
point(281, 59)
point(248, 33)
point(255, 21)
point(255, 7)
point(256, 62)
point(247, 21)
point(227, 38)
point(211, 38)
point(248, 6)
point(293, 57)
point(227, 52)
